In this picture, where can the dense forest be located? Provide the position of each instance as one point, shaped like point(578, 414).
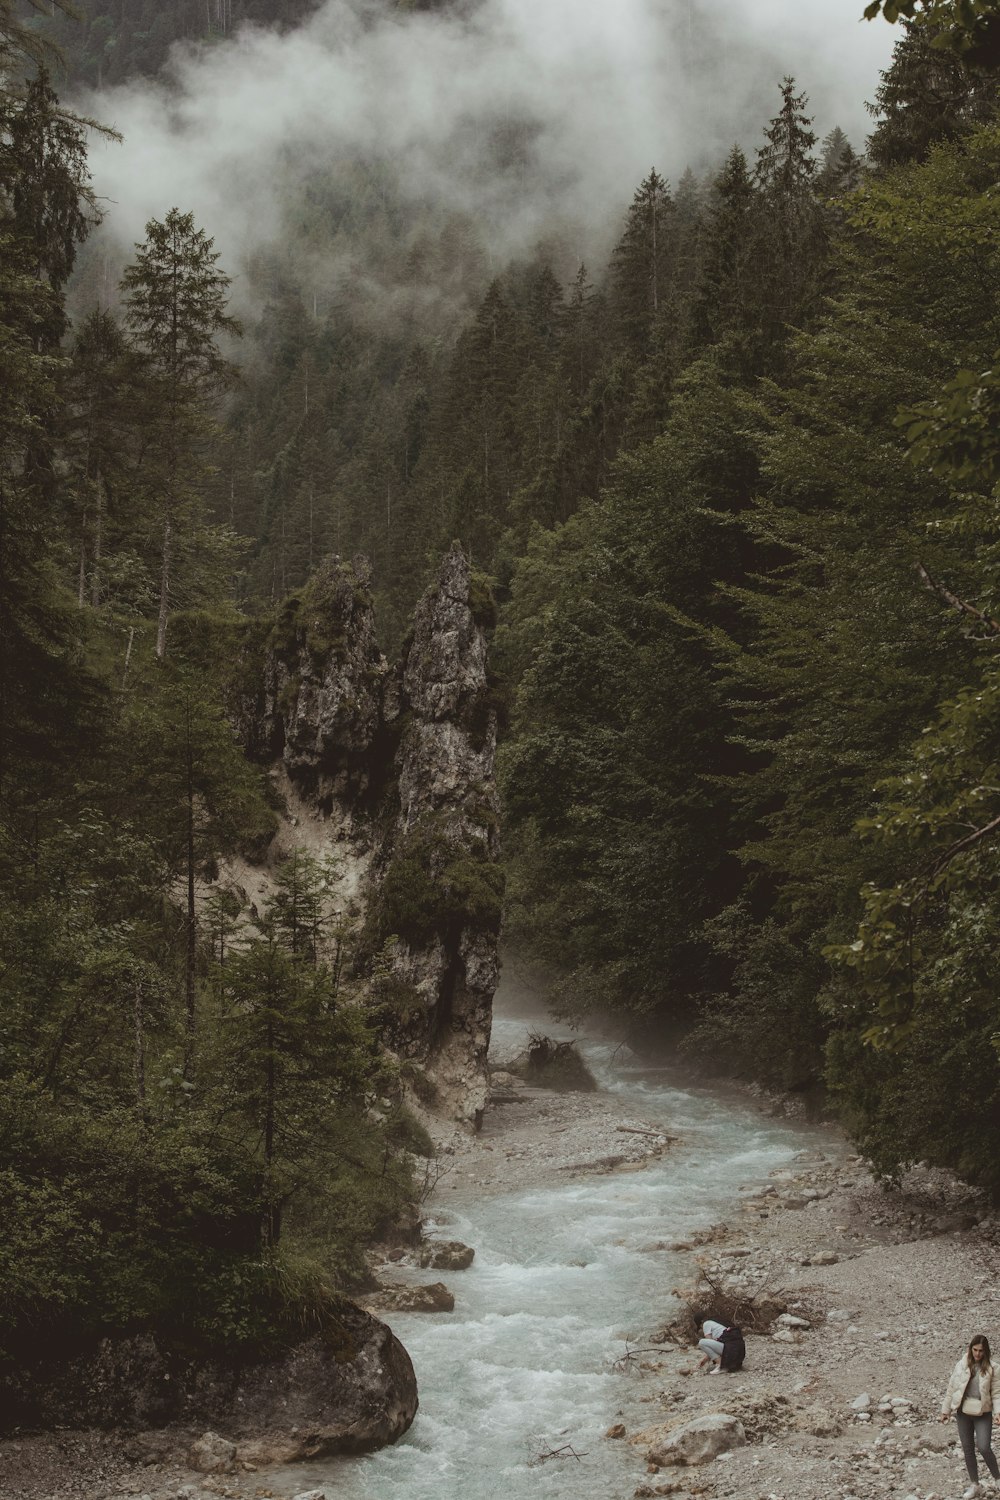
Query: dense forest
point(736, 492)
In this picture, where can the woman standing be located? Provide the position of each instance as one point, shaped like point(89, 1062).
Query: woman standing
point(969, 1398)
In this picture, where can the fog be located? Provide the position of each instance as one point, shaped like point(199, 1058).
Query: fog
point(534, 117)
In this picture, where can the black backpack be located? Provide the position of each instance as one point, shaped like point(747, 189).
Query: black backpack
point(734, 1350)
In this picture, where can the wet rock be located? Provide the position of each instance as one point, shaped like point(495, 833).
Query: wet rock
point(434, 1296)
point(446, 1255)
point(617, 1431)
point(699, 1442)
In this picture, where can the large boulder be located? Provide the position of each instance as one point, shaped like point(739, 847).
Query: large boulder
point(347, 1390)
point(699, 1442)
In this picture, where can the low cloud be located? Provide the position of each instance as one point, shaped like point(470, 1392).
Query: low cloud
point(535, 118)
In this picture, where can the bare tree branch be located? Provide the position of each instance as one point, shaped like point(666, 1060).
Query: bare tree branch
point(961, 605)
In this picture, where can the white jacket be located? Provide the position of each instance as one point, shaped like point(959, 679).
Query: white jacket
point(960, 1377)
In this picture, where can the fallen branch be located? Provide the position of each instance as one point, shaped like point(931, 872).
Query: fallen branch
point(566, 1451)
point(623, 1364)
point(660, 1135)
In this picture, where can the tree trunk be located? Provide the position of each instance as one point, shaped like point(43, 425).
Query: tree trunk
point(82, 579)
point(166, 558)
point(128, 656)
point(95, 579)
point(192, 927)
point(139, 1062)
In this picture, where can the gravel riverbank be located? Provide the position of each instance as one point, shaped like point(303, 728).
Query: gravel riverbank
point(890, 1284)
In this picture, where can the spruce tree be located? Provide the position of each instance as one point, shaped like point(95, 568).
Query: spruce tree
point(640, 263)
point(175, 309)
point(926, 95)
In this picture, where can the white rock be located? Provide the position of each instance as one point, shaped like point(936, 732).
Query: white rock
point(700, 1441)
point(311, 1495)
point(862, 1402)
point(789, 1320)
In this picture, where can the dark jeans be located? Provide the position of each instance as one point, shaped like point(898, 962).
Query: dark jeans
point(973, 1433)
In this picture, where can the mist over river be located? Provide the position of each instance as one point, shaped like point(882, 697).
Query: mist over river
point(564, 1273)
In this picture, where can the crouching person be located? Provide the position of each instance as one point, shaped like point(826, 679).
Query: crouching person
point(722, 1347)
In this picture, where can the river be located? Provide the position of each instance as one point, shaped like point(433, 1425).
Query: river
point(563, 1275)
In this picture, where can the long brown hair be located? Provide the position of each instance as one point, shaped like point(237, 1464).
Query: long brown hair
point(979, 1338)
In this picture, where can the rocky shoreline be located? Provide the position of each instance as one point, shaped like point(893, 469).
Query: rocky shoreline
point(866, 1297)
point(879, 1292)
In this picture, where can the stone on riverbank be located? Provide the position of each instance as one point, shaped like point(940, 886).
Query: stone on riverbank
point(212, 1454)
point(699, 1442)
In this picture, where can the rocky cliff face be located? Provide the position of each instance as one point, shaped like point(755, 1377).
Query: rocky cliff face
point(397, 765)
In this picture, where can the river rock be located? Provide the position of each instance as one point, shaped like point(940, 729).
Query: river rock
point(433, 1296)
point(699, 1442)
point(446, 1255)
point(212, 1454)
point(348, 1389)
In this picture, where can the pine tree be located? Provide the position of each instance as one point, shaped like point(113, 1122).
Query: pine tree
point(98, 438)
point(727, 303)
point(640, 263)
point(926, 95)
point(840, 168)
point(175, 308)
point(792, 232)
